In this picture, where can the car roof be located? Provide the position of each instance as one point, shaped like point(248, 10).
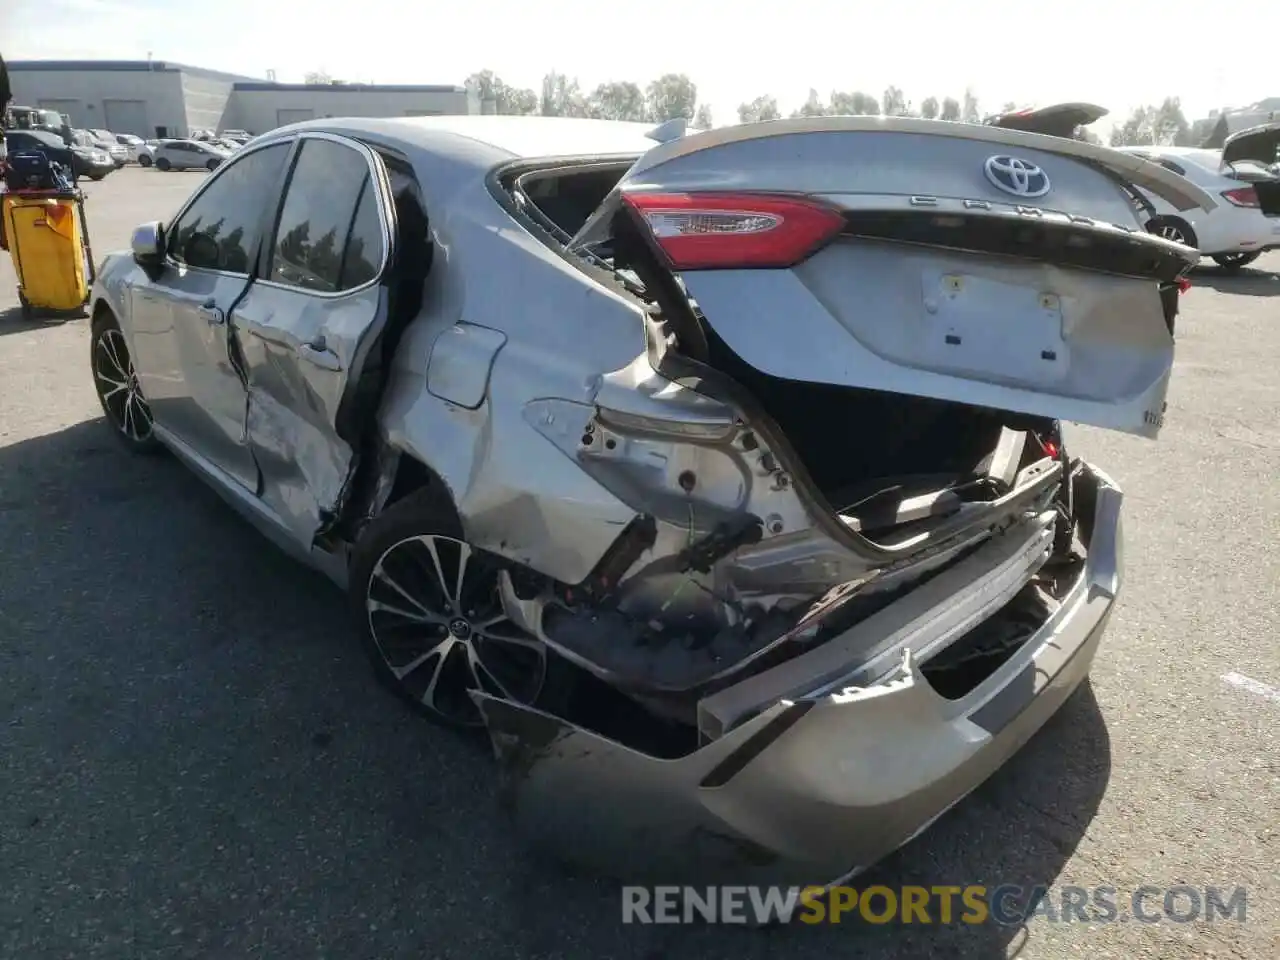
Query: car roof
point(488, 139)
point(40, 136)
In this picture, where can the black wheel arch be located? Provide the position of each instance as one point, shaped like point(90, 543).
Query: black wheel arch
point(387, 476)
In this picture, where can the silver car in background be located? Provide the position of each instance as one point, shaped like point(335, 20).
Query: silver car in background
point(106, 140)
point(188, 155)
point(719, 477)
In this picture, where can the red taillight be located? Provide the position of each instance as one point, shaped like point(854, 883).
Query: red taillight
point(1242, 196)
point(709, 231)
point(1184, 284)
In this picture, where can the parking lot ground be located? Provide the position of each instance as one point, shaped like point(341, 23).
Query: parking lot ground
point(195, 762)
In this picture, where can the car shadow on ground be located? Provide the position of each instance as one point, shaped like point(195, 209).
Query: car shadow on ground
point(194, 739)
point(12, 321)
point(1248, 281)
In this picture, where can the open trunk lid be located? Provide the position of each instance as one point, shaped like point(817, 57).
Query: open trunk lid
point(1260, 144)
point(1251, 156)
point(960, 262)
point(1058, 120)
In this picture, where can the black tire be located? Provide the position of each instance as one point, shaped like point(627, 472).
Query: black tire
point(1233, 262)
point(113, 374)
point(144, 160)
point(96, 177)
point(1173, 228)
point(163, 165)
point(430, 665)
point(212, 165)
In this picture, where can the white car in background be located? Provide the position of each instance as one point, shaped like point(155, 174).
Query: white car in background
point(147, 151)
point(189, 155)
point(131, 142)
point(1247, 224)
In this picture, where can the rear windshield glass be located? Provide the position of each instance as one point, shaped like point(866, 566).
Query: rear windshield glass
point(1252, 170)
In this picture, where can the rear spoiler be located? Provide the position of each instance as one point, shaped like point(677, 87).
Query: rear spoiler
point(1152, 177)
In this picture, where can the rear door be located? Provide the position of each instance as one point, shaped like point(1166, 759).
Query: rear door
point(953, 261)
point(308, 324)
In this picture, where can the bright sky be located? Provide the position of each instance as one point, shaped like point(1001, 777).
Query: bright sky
point(1119, 53)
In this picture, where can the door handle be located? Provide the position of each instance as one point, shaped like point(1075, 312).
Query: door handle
point(319, 356)
point(212, 315)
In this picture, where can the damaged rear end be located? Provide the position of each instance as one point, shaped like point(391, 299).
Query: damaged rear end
point(864, 569)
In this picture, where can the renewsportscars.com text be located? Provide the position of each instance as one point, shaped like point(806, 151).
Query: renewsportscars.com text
point(973, 904)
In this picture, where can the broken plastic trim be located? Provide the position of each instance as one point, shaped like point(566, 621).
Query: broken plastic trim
point(803, 791)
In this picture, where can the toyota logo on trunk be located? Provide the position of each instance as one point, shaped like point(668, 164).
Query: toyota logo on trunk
point(1022, 178)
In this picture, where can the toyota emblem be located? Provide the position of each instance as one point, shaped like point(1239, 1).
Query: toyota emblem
point(1022, 178)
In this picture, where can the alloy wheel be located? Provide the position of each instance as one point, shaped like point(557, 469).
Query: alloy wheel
point(1171, 232)
point(117, 384)
point(437, 620)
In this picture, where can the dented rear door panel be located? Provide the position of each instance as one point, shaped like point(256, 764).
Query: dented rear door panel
point(304, 344)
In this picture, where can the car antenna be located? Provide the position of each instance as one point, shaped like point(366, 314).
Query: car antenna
point(672, 129)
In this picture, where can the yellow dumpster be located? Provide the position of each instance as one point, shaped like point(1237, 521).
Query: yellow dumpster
point(46, 236)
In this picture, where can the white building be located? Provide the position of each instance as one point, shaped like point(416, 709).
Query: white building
point(155, 98)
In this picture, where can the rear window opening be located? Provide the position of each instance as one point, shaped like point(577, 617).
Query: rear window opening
point(561, 198)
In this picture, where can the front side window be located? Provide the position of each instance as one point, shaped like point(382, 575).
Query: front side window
point(329, 238)
point(218, 230)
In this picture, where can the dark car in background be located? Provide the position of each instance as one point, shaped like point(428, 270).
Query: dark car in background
point(83, 161)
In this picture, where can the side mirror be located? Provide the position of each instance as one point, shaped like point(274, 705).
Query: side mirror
point(148, 244)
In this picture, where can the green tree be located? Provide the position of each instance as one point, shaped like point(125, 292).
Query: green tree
point(929, 108)
point(969, 112)
point(1136, 130)
point(702, 120)
point(761, 108)
point(561, 97)
point(950, 109)
point(853, 104)
point(672, 95)
point(812, 107)
point(518, 101)
point(1169, 124)
point(617, 101)
point(1164, 125)
point(894, 103)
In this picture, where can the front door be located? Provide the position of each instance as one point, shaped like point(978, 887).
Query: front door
point(181, 343)
point(307, 325)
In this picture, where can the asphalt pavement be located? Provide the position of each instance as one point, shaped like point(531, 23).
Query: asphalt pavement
point(196, 762)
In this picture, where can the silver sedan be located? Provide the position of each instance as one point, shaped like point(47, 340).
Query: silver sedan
point(718, 476)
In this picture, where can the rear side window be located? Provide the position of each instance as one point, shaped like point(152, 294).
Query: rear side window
point(218, 230)
point(363, 254)
point(329, 238)
point(1175, 167)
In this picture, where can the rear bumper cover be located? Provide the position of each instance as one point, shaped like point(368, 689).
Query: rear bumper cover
point(814, 790)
